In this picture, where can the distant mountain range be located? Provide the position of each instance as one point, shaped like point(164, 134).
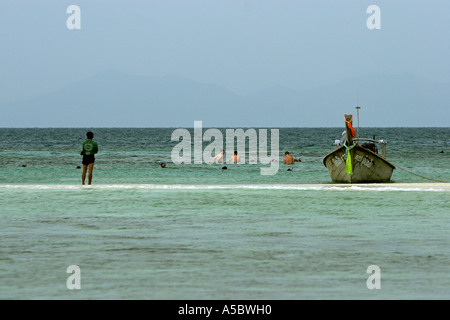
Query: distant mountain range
point(114, 99)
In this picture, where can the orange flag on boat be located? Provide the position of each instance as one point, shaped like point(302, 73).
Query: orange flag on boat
point(349, 124)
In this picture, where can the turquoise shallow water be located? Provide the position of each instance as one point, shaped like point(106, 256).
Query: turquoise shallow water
point(199, 232)
point(130, 156)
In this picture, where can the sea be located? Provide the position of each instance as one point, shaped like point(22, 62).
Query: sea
point(198, 231)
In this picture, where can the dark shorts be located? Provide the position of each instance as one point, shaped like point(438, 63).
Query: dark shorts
point(88, 159)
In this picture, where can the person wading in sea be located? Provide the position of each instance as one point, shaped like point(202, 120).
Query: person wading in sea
point(288, 159)
point(235, 158)
point(90, 148)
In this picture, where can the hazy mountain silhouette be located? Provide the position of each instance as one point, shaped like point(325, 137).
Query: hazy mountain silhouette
point(114, 99)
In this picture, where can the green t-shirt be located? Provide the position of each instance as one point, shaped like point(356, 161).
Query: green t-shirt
point(90, 147)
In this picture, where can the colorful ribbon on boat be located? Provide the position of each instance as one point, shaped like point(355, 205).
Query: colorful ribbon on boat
point(348, 163)
point(349, 124)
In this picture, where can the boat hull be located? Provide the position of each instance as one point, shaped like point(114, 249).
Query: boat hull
point(367, 166)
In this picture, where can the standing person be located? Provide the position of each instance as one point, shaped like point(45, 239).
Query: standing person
point(90, 148)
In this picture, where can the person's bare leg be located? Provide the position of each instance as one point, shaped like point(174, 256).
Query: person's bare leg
point(83, 175)
point(91, 168)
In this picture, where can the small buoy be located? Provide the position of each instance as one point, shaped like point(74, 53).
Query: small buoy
point(163, 165)
point(224, 168)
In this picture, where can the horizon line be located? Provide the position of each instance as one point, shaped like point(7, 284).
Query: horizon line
point(225, 127)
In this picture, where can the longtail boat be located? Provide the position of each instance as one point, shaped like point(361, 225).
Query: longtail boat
point(351, 162)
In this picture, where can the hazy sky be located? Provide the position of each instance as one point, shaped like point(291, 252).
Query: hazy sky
point(244, 45)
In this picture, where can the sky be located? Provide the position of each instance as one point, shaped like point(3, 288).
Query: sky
point(243, 45)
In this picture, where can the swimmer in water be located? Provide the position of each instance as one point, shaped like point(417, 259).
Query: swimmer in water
point(219, 157)
point(235, 158)
point(288, 159)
